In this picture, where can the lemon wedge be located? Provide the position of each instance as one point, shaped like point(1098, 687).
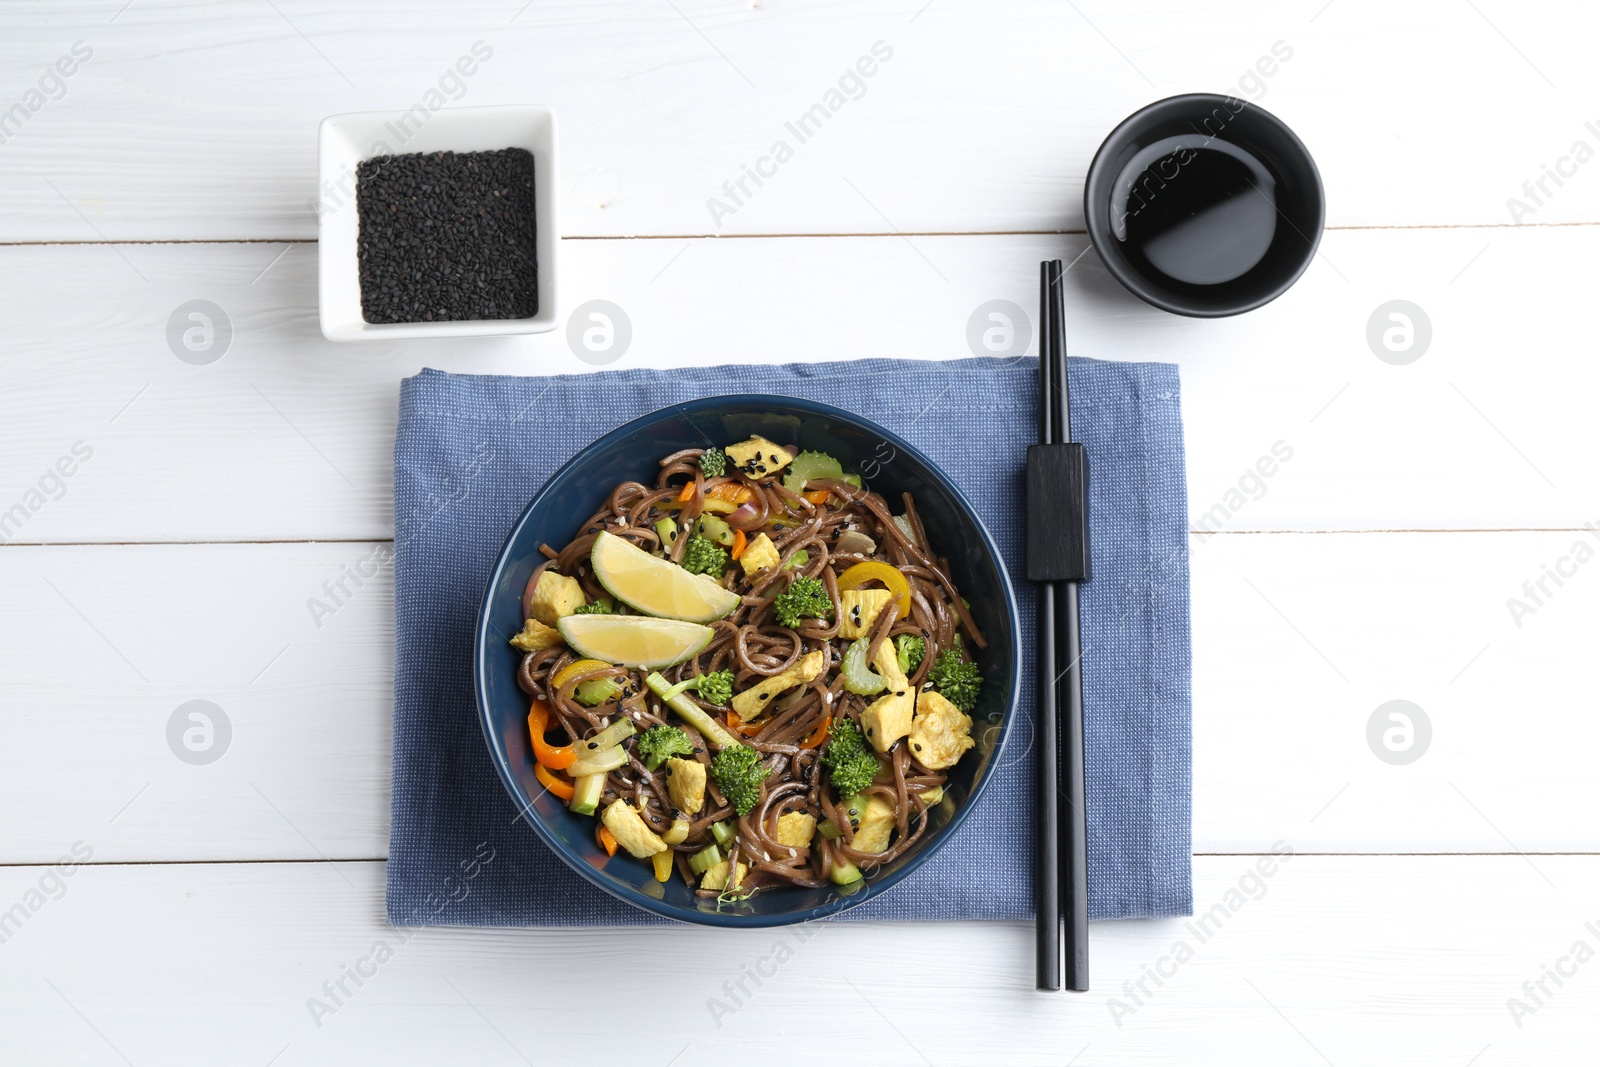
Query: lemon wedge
point(634, 640)
point(657, 586)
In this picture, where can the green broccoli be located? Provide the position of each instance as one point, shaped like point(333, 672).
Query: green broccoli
point(658, 743)
point(713, 462)
point(850, 764)
point(910, 649)
point(957, 680)
point(739, 774)
point(704, 556)
point(714, 688)
point(806, 598)
point(603, 606)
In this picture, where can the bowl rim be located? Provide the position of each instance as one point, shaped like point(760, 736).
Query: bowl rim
point(872, 888)
point(1097, 222)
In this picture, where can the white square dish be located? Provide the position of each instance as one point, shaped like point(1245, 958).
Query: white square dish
point(343, 141)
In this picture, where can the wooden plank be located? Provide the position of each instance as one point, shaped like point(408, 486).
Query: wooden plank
point(1323, 960)
point(124, 637)
point(289, 437)
point(984, 116)
point(1298, 640)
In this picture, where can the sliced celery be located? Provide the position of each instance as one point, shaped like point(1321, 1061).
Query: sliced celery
point(696, 716)
point(597, 691)
point(724, 831)
point(586, 793)
point(705, 859)
point(614, 734)
point(598, 763)
point(716, 529)
point(808, 465)
point(858, 677)
point(844, 872)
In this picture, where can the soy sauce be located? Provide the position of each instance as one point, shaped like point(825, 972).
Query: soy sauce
point(1195, 210)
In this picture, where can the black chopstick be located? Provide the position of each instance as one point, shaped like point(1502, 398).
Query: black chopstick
point(1058, 559)
point(1047, 858)
point(1074, 848)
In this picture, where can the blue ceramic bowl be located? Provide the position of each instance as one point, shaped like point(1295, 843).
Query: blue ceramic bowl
point(632, 453)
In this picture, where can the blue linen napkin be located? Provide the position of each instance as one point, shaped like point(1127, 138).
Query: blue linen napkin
point(466, 462)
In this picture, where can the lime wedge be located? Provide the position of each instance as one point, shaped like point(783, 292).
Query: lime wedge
point(657, 586)
point(634, 640)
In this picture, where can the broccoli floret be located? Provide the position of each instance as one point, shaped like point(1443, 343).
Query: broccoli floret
point(739, 774)
point(713, 462)
point(910, 649)
point(956, 679)
point(714, 688)
point(659, 743)
point(704, 556)
point(603, 606)
point(806, 598)
point(851, 765)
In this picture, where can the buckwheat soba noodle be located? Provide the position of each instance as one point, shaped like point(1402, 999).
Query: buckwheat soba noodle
point(754, 673)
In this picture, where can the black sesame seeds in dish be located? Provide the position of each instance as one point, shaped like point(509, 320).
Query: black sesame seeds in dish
point(447, 236)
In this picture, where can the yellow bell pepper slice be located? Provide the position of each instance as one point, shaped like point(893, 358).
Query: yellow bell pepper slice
point(873, 571)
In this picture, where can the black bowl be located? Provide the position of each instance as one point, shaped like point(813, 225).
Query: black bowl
point(1204, 205)
point(629, 453)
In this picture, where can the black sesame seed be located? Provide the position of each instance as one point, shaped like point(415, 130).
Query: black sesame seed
point(446, 236)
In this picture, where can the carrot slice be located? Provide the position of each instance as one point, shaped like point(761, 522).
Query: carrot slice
point(608, 841)
point(688, 491)
point(739, 542)
point(819, 496)
point(558, 786)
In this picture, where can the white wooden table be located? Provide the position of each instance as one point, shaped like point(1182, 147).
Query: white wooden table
point(208, 502)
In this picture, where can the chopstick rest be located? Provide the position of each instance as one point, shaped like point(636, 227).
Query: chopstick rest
point(1058, 513)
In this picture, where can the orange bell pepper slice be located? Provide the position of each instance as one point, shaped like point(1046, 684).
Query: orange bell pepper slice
point(558, 786)
point(608, 841)
point(688, 491)
point(819, 735)
point(739, 542)
point(556, 757)
point(818, 496)
point(874, 571)
point(732, 492)
point(743, 729)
